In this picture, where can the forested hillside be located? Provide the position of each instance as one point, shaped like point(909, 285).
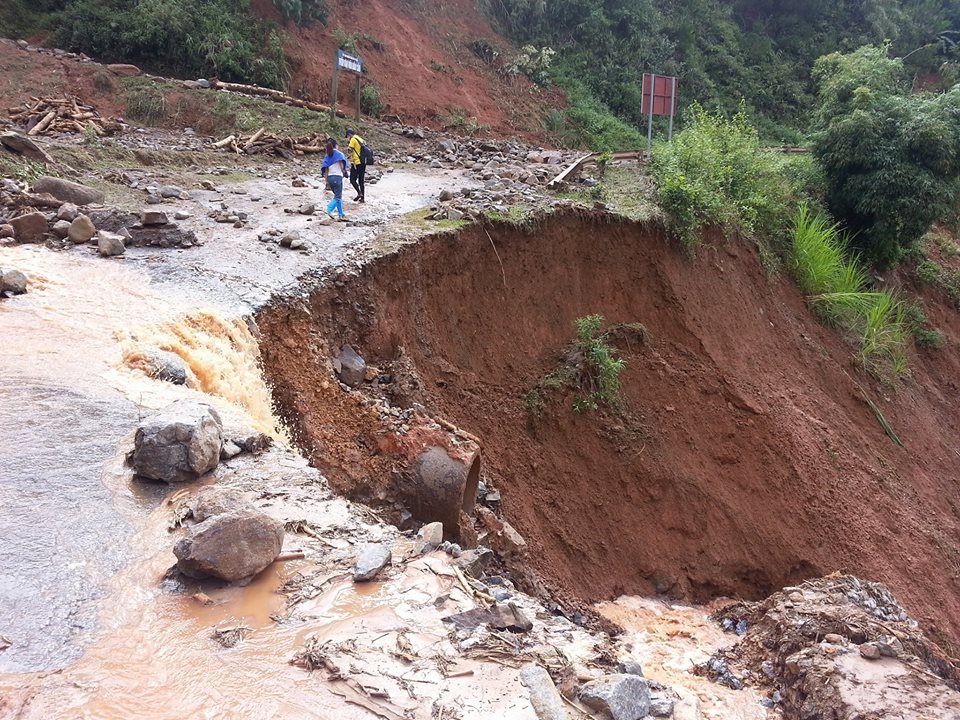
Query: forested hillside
point(723, 50)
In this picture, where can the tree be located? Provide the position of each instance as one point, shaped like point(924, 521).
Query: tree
point(891, 157)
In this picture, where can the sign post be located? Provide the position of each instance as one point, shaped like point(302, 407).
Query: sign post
point(349, 63)
point(659, 98)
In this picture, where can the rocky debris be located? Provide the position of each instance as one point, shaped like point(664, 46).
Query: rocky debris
point(81, 230)
point(544, 696)
point(6, 231)
point(49, 115)
point(30, 228)
point(876, 662)
point(430, 537)
point(661, 707)
point(110, 244)
point(255, 443)
point(230, 450)
point(68, 212)
point(499, 535)
point(153, 217)
point(621, 696)
point(214, 500)
point(307, 209)
point(23, 145)
point(474, 562)
point(500, 616)
point(230, 546)
point(373, 557)
point(350, 367)
point(60, 228)
point(12, 281)
point(178, 444)
point(137, 234)
point(225, 214)
point(67, 191)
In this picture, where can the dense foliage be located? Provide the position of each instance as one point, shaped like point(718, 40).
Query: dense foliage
point(715, 173)
point(891, 156)
point(722, 50)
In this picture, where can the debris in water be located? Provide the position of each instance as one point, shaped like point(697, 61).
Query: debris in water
point(230, 636)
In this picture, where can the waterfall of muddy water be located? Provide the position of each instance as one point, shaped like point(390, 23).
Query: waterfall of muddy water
point(67, 408)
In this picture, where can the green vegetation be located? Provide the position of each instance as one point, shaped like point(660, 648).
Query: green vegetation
point(587, 122)
point(370, 101)
point(144, 101)
point(179, 37)
point(838, 294)
point(460, 120)
point(599, 376)
point(349, 42)
point(303, 12)
point(715, 173)
point(722, 50)
point(534, 63)
point(891, 156)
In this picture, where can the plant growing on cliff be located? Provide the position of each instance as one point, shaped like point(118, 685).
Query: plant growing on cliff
point(599, 375)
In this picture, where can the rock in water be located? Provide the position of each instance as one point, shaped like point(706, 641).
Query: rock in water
point(12, 281)
point(30, 228)
point(179, 444)
point(68, 191)
point(109, 243)
point(372, 559)
point(623, 697)
point(81, 230)
point(350, 367)
point(212, 501)
point(166, 366)
point(230, 546)
point(544, 696)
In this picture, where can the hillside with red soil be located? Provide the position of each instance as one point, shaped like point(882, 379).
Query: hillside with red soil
point(746, 458)
point(418, 55)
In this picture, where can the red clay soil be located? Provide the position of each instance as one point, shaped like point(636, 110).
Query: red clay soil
point(418, 55)
point(746, 458)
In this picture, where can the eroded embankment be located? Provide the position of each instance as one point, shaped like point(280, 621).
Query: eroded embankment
point(746, 458)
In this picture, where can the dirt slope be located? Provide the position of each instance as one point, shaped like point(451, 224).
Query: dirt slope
point(418, 54)
point(746, 460)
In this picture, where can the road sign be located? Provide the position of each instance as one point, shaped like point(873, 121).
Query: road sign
point(659, 98)
point(348, 62)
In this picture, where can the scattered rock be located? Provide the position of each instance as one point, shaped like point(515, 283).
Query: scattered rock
point(372, 559)
point(507, 541)
point(81, 230)
point(213, 500)
point(68, 191)
point(623, 697)
point(109, 243)
point(60, 228)
point(350, 367)
point(166, 366)
point(230, 546)
point(172, 191)
point(544, 696)
point(12, 281)
point(288, 238)
point(182, 215)
point(6, 231)
point(178, 444)
point(298, 244)
point(153, 217)
point(447, 195)
point(870, 651)
point(431, 536)
point(474, 562)
point(30, 228)
point(307, 209)
point(68, 212)
point(23, 145)
point(124, 69)
point(511, 618)
point(661, 707)
point(255, 443)
point(230, 450)
point(630, 667)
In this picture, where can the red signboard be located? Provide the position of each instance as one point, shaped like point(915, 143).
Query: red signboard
point(664, 91)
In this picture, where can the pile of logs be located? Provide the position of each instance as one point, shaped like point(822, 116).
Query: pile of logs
point(263, 143)
point(46, 116)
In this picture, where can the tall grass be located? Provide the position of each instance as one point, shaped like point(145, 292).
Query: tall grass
point(837, 290)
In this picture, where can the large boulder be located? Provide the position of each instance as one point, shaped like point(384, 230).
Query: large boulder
point(23, 145)
point(30, 228)
point(12, 281)
point(620, 696)
point(68, 191)
point(81, 230)
point(178, 444)
point(350, 367)
point(165, 365)
point(213, 500)
point(230, 546)
point(109, 244)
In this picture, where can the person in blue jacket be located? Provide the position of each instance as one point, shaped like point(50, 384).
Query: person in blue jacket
point(334, 169)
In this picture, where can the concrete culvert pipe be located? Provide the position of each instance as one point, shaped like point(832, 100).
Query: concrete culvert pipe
point(445, 484)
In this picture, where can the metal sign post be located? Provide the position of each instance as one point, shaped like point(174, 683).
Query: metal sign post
point(659, 98)
point(349, 63)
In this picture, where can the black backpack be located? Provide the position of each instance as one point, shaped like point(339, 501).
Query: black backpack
point(367, 156)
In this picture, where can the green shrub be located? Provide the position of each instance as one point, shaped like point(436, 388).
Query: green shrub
point(370, 101)
point(716, 173)
point(534, 63)
point(820, 261)
point(484, 50)
point(144, 101)
point(303, 12)
point(588, 123)
point(891, 156)
point(177, 37)
point(599, 378)
point(347, 42)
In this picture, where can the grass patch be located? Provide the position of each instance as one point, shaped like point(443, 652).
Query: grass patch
point(144, 101)
point(418, 219)
point(461, 121)
point(837, 292)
